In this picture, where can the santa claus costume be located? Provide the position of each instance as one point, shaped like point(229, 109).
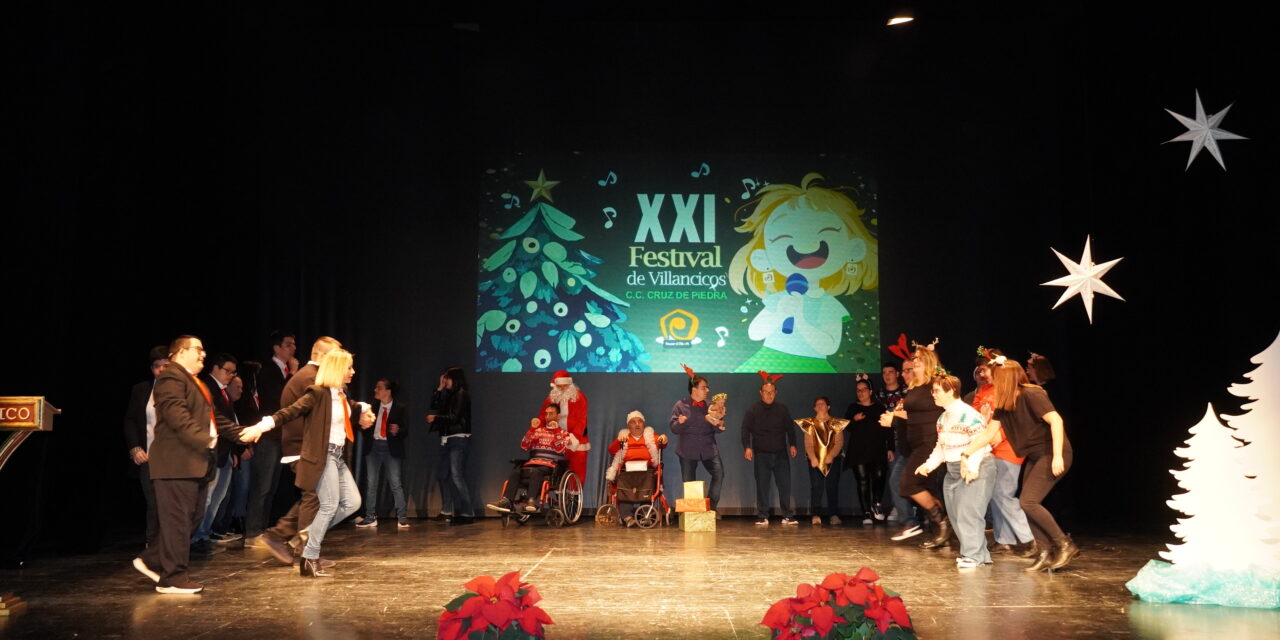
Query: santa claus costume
point(573, 416)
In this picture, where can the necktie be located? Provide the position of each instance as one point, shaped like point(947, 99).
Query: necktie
point(225, 398)
point(213, 419)
point(382, 431)
point(346, 415)
point(287, 372)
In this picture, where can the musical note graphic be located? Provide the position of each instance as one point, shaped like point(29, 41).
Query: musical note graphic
point(512, 199)
point(609, 214)
point(703, 170)
point(723, 332)
point(612, 178)
point(748, 187)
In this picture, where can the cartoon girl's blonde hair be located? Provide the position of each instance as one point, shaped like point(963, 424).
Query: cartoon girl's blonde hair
point(743, 276)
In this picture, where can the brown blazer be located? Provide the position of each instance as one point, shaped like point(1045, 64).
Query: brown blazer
point(312, 411)
point(181, 446)
point(291, 432)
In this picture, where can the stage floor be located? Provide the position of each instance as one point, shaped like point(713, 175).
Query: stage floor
point(604, 583)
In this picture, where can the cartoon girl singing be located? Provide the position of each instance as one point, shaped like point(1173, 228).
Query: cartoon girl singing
point(808, 244)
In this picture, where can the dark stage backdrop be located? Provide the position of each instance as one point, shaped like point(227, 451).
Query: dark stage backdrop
point(229, 175)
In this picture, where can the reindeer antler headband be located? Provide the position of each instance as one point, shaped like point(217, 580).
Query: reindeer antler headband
point(769, 379)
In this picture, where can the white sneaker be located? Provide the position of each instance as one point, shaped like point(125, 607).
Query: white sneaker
point(866, 519)
point(817, 521)
point(968, 563)
point(835, 521)
point(909, 532)
point(893, 514)
point(145, 570)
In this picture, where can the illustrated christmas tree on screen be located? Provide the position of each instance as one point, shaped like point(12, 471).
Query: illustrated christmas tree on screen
point(1231, 481)
point(538, 309)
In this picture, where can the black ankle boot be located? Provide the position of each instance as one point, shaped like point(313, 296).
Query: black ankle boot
point(942, 529)
point(1042, 561)
point(1063, 551)
point(308, 568)
point(1031, 550)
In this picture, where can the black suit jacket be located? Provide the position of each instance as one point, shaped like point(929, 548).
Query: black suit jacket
point(271, 383)
point(135, 420)
point(398, 414)
point(182, 439)
point(226, 446)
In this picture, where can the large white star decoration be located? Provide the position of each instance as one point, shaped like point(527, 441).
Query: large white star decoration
point(1203, 133)
point(1084, 278)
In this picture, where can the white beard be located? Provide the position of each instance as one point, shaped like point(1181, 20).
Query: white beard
point(568, 394)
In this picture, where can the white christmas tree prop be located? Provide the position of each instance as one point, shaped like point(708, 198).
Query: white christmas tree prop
point(1214, 482)
point(1230, 550)
point(1259, 426)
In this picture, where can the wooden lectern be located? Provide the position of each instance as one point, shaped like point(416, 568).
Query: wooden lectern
point(21, 415)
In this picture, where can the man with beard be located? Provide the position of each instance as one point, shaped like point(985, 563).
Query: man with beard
point(572, 403)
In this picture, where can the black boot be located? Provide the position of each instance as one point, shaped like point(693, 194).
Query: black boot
point(1042, 561)
point(942, 529)
point(1031, 550)
point(308, 568)
point(1063, 551)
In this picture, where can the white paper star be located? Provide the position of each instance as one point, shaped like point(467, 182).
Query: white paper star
point(1085, 278)
point(1203, 133)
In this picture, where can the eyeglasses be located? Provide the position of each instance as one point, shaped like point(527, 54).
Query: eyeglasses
point(197, 348)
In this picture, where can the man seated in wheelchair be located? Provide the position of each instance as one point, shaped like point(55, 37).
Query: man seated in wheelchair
point(636, 454)
point(546, 443)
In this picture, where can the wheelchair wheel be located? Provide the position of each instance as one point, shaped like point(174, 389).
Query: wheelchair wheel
point(607, 515)
point(647, 516)
point(570, 497)
point(555, 518)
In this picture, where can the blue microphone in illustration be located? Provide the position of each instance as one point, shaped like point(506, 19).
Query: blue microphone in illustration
point(799, 285)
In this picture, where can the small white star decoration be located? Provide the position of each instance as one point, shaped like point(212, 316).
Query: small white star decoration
point(1084, 278)
point(1203, 132)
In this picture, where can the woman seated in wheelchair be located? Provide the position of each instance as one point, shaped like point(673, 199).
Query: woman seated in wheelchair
point(636, 455)
point(546, 443)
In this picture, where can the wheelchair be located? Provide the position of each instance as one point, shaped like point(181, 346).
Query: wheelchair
point(643, 488)
point(560, 498)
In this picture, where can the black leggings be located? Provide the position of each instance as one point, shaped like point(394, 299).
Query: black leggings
point(1037, 481)
point(870, 477)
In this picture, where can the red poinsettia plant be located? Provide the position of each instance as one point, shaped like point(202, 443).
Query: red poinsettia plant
point(841, 606)
point(502, 608)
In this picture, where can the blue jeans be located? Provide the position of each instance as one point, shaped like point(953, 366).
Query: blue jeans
point(1007, 519)
point(237, 498)
point(689, 472)
point(967, 507)
point(777, 466)
point(338, 499)
point(217, 492)
point(452, 474)
point(906, 508)
point(379, 456)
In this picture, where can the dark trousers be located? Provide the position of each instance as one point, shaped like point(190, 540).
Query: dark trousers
point(535, 474)
point(829, 484)
point(1037, 481)
point(778, 467)
point(870, 480)
point(180, 508)
point(264, 468)
point(149, 495)
point(299, 517)
point(689, 473)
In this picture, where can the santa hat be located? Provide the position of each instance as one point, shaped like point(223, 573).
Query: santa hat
point(561, 377)
point(635, 414)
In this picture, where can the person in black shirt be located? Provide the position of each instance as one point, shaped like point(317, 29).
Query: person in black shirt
point(1035, 430)
point(917, 418)
point(768, 437)
point(867, 448)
